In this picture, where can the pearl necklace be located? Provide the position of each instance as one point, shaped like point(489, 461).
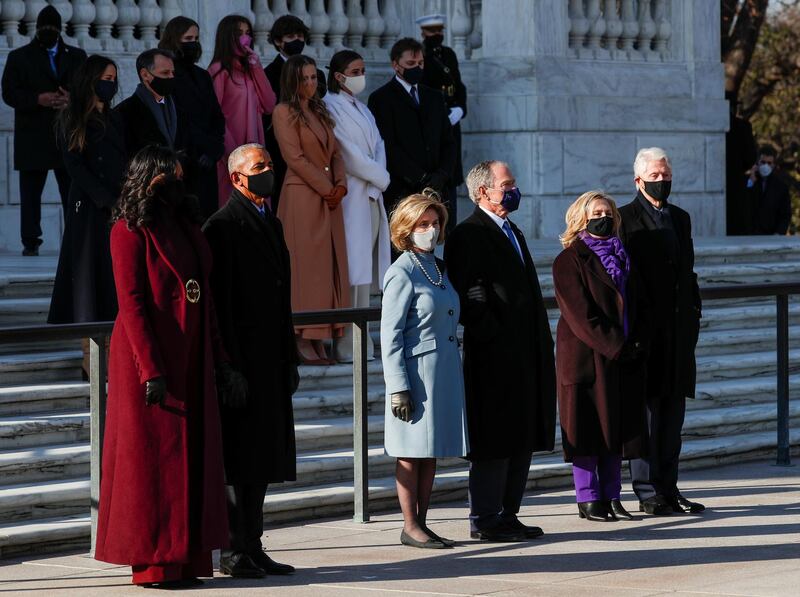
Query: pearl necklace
point(416, 260)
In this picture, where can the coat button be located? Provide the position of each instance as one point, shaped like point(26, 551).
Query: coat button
point(326, 169)
point(451, 339)
point(278, 282)
point(450, 312)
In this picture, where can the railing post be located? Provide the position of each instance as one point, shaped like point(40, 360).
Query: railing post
point(97, 413)
point(782, 307)
point(360, 430)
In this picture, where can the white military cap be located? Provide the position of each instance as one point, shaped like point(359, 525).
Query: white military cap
point(431, 21)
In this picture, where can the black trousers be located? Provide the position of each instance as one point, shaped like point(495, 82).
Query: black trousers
point(658, 473)
point(245, 517)
point(31, 185)
point(496, 488)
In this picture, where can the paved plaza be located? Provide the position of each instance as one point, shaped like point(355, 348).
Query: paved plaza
point(746, 543)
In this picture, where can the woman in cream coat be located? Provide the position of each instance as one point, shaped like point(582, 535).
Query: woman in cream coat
point(366, 226)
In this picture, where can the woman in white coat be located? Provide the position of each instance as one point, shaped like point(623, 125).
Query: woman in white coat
point(366, 225)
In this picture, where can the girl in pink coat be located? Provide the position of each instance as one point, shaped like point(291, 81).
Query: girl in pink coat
point(242, 89)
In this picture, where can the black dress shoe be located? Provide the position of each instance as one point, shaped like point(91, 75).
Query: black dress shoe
point(173, 585)
point(270, 566)
point(501, 534)
point(655, 505)
point(594, 510)
point(617, 511)
point(681, 505)
point(407, 539)
point(529, 532)
point(240, 565)
point(34, 252)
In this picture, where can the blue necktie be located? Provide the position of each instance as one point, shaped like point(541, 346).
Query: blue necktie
point(52, 55)
point(513, 239)
point(414, 95)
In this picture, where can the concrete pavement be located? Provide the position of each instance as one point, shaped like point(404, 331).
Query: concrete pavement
point(746, 543)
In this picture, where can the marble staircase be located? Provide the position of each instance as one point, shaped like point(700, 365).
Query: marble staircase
point(44, 420)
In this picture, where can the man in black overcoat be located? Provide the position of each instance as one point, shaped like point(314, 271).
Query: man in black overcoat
point(412, 120)
point(150, 115)
point(442, 73)
point(658, 238)
point(769, 195)
point(288, 36)
point(509, 369)
point(36, 83)
point(251, 283)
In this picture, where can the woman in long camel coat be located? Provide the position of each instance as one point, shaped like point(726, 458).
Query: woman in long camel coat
point(162, 500)
point(310, 207)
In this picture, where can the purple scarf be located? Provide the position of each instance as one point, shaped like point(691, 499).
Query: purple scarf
point(616, 262)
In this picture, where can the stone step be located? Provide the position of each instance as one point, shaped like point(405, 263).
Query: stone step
point(734, 392)
point(743, 365)
point(31, 501)
point(315, 378)
point(35, 368)
point(45, 536)
point(16, 310)
point(335, 402)
point(324, 434)
point(26, 284)
point(739, 340)
point(43, 429)
point(45, 463)
point(44, 397)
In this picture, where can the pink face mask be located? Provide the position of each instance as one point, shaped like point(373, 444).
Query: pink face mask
point(245, 40)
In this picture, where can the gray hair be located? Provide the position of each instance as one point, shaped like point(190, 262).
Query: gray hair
point(481, 176)
point(237, 155)
point(647, 155)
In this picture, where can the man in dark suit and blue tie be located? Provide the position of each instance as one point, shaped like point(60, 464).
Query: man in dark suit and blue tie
point(509, 370)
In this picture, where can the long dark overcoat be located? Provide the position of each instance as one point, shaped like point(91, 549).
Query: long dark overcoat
point(252, 290)
point(509, 370)
point(162, 495)
point(601, 402)
point(672, 293)
point(84, 285)
point(27, 74)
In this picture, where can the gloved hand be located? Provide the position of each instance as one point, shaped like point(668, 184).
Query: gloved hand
point(631, 351)
point(477, 293)
point(292, 378)
point(455, 115)
point(231, 386)
point(205, 162)
point(334, 198)
point(438, 181)
point(155, 391)
point(402, 406)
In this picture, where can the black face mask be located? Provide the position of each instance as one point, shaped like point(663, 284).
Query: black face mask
point(191, 51)
point(162, 85)
point(294, 47)
point(658, 190)
point(47, 37)
point(261, 184)
point(434, 41)
point(413, 76)
point(105, 90)
point(603, 227)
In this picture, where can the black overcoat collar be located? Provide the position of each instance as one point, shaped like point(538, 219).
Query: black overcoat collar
point(243, 209)
point(503, 243)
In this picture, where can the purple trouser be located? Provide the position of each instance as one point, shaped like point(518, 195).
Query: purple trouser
point(597, 477)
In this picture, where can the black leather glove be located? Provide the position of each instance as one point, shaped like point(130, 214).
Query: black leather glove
point(292, 378)
point(477, 292)
point(630, 352)
point(155, 391)
point(231, 386)
point(205, 162)
point(438, 180)
point(402, 406)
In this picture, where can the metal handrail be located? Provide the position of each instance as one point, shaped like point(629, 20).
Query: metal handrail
point(98, 332)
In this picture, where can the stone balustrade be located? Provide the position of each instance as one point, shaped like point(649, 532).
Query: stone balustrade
point(369, 26)
point(620, 29)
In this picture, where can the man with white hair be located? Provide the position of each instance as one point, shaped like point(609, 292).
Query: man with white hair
point(658, 238)
point(251, 286)
point(509, 371)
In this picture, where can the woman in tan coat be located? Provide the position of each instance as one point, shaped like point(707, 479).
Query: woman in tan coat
point(310, 204)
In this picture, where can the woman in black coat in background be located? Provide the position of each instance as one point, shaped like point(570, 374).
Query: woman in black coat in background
point(194, 96)
point(93, 147)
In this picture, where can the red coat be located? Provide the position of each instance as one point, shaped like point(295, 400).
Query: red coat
point(148, 462)
point(600, 400)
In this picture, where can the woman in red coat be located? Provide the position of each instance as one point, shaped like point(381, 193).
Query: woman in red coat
point(162, 502)
point(600, 349)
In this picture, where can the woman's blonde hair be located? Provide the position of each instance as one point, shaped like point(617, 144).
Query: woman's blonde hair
point(578, 215)
point(405, 216)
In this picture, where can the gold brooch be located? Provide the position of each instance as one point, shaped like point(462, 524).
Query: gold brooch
point(192, 291)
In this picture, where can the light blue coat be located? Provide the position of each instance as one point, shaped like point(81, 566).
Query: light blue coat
point(420, 354)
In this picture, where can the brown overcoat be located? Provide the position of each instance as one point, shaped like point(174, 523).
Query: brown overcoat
point(600, 400)
point(314, 233)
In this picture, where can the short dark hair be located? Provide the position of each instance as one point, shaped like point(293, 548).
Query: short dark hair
point(147, 59)
point(339, 63)
point(767, 150)
point(286, 25)
point(404, 45)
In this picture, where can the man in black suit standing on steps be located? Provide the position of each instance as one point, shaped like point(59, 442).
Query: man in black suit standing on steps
point(412, 120)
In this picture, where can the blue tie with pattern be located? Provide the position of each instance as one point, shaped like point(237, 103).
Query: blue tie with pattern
point(414, 95)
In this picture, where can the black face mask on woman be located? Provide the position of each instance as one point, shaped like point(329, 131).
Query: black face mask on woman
point(191, 51)
point(602, 227)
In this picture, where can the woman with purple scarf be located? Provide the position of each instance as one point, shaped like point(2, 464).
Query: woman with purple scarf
point(601, 342)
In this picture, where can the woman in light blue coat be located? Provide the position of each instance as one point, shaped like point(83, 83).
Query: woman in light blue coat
point(425, 415)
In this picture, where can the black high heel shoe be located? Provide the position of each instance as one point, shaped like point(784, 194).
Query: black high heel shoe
point(617, 511)
point(594, 510)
